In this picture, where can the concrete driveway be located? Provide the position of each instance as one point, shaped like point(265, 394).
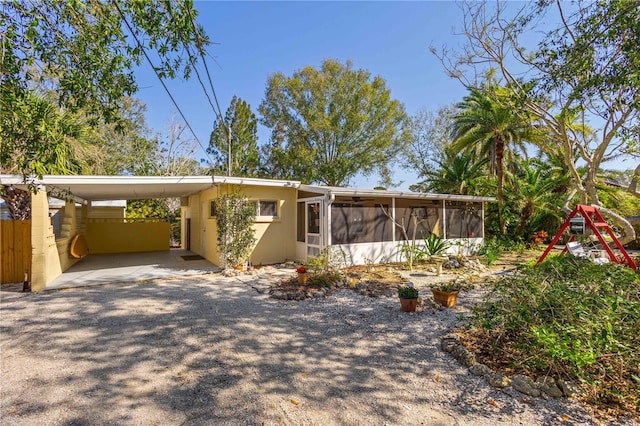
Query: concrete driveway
point(98, 269)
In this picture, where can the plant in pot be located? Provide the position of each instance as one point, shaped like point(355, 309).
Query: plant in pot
point(408, 297)
point(302, 275)
point(447, 294)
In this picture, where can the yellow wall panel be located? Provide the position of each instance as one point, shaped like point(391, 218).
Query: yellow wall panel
point(120, 236)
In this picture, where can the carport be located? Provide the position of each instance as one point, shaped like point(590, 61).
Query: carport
point(50, 254)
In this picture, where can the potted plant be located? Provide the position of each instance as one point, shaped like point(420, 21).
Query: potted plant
point(302, 275)
point(446, 294)
point(408, 297)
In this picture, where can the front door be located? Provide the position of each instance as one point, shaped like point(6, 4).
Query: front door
point(314, 227)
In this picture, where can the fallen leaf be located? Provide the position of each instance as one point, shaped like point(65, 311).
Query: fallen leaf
point(564, 417)
point(437, 377)
point(492, 402)
point(294, 402)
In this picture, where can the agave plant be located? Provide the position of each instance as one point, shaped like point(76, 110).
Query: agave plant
point(434, 245)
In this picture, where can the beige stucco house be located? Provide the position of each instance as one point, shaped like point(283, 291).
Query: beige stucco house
point(293, 221)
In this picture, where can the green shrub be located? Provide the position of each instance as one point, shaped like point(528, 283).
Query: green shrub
point(325, 279)
point(408, 291)
point(570, 317)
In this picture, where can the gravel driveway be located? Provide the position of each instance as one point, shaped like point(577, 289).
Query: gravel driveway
point(212, 350)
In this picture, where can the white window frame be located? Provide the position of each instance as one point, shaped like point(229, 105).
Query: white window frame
point(269, 218)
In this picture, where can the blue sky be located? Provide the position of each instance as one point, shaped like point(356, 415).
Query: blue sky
point(252, 40)
point(256, 39)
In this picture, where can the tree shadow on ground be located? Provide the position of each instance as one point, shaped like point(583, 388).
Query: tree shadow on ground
point(209, 350)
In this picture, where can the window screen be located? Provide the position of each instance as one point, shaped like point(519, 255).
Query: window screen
point(464, 220)
point(358, 223)
point(427, 216)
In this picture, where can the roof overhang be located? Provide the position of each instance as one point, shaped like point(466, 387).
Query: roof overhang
point(94, 188)
point(355, 192)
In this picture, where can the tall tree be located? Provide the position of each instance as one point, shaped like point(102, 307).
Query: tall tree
point(487, 125)
point(127, 147)
point(31, 120)
point(240, 129)
point(332, 123)
point(89, 50)
point(587, 66)
point(430, 135)
point(455, 173)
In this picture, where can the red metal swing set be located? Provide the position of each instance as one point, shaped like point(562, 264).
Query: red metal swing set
point(594, 220)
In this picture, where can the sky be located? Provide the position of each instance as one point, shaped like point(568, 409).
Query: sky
point(252, 40)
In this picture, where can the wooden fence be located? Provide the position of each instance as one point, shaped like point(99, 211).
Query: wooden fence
point(15, 250)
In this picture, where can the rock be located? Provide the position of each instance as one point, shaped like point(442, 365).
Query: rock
point(448, 345)
point(524, 385)
point(463, 356)
point(548, 387)
point(497, 380)
point(480, 370)
point(567, 388)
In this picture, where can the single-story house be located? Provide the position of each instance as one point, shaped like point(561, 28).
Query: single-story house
point(293, 221)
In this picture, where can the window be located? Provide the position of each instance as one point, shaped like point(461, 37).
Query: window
point(212, 209)
point(360, 223)
point(266, 209)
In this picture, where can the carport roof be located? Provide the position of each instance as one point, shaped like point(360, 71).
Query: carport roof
point(93, 188)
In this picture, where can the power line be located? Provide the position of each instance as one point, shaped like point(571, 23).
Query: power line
point(146, 55)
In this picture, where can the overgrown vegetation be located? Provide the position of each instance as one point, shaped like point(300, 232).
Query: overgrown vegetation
point(568, 318)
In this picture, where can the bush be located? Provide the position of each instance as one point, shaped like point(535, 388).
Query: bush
point(569, 317)
point(325, 279)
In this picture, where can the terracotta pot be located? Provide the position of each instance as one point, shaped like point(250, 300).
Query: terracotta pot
point(408, 304)
point(238, 268)
point(447, 299)
point(302, 278)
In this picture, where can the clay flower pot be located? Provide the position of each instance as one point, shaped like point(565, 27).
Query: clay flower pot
point(448, 299)
point(302, 277)
point(408, 304)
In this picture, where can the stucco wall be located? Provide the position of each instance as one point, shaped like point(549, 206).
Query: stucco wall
point(275, 238)
point(126, 236)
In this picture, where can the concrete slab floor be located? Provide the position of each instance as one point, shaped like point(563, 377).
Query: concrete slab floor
point(97, 269)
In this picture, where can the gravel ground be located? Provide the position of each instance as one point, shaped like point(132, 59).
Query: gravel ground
point(213, 350)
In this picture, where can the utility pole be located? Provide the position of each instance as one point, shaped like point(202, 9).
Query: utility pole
point(229, 156)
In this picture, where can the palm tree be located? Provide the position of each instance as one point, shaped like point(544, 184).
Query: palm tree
point(535, 184)
point(457, 173)
point(488, 126)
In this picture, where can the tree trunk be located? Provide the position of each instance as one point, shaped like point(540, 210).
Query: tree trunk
point(500, 174)
point(18, 202)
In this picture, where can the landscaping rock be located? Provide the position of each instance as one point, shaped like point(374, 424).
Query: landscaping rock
point(480, 370)
point(497, 380)
point(524, 385)
point(567, 388)
point(547, 386)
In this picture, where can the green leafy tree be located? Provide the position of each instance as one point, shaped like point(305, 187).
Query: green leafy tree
point(533, 186)
point(456, 173)
point(585, 70)
point(127, 147)
point(241, 127)
point(330, 124)
point(430, 135)
point(87, 50)
point(488, 125)
point(38, 136)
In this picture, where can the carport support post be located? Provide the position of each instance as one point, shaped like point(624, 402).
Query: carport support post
point(39, 230)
